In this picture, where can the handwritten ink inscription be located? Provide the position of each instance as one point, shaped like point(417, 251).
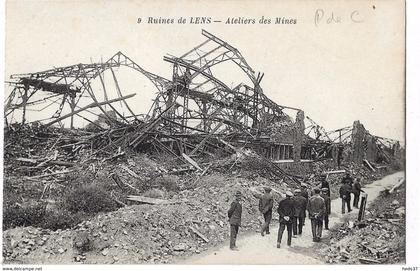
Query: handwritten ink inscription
point(331, 17)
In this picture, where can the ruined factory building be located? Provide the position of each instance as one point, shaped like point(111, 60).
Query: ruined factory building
point(92, 177)
point(193, 112)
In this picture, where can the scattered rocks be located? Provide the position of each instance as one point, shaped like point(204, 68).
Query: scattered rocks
point(180, 247)
point(105, 252)
point(378, 239)
point(400, 211)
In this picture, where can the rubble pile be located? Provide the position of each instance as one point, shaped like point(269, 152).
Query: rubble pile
point(171, 172)
point(40, 163)
point(145, 233)
point(379, 239)
point(167, 210)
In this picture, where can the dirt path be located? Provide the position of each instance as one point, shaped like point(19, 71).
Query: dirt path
point(255, 249)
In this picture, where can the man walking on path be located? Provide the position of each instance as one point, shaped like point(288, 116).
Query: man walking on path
point(286, 212)
point(357, 188)
point(327, 201)
point(345, 195)
point(347, 179)
point(316, 209)
point(305, 192)
point(324, 183)
point(235, 215)
point(300, 203)
point(266, 208)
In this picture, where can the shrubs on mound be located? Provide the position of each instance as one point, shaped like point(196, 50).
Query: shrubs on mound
point(79, 204)
point(16, 215)
point(89, 198)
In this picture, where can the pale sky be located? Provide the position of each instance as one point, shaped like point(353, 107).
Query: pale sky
point(335, 72)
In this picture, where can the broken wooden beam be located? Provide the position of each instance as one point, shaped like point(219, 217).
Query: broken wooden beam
point(369, 165)
point(48, 175)
point(27, 160)
point(369, 261)
point(335, 171)
point(115, 156)
point(61, 163)
point(148, 200)
point(45, 162)
point(191, 161)
point(118, 180)
point(199, 234)
point(400, 182)
point(129, 171)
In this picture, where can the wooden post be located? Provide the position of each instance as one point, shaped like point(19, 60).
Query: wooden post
point(72, 106)
point(362, 207)
point(25, 100)
point(205, 117)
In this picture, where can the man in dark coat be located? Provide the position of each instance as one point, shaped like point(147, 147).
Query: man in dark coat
point(316, 210)
point(286, 212)
point(305, 193)
point(324, 183)
point(300, 203)
point(304, 189)
point(345, 195)
point(327, 201)
point(235, 215)
point(357, 188)
point(347, 178)
point(266, 208)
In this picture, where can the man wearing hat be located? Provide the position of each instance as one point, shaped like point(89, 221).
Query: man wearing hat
point(235, 215)
point(347, 178)
point(286, 213)
point(316, 210)
point(304, 189)
point(300, 203)
point(327, 200)
point(357, 188)
point(324, 183)
point(345, 195)
point(266, 208)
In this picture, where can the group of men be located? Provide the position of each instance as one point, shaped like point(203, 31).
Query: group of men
point(292, 209)
point(348, 187)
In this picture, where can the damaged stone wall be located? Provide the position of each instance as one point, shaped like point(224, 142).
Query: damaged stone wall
point(298, 132)
point(364, 145)
point(358, 136)
point(372, 151)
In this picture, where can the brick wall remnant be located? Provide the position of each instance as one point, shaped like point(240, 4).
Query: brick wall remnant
point(298, 132)
point(357, 139)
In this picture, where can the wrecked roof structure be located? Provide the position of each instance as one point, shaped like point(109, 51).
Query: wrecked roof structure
point(194, 113)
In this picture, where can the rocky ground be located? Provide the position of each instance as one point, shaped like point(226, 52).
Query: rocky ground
point(378, 239)
point(255, 249)
point(142, 233)
point(43, 167)
point(146, 233)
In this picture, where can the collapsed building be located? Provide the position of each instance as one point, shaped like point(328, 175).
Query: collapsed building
point(194, 114)
point(77, 148)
